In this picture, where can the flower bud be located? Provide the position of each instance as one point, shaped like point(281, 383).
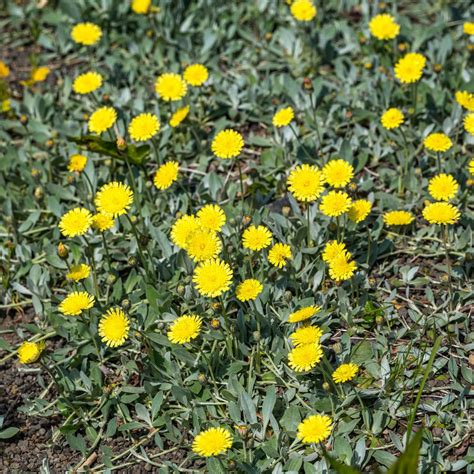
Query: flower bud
point(326, 387)
point(132, 261)
point(49, 143)
point(288, 296)
point(38, 193)
point(35, 172)
point(70, 179)
point(108, 162)
point(125, 304)
point(121, 143)
point(337, 347)
point(256, 336)
point(180, 290)
point(24, 119)
point(106, 97)
point(111, 279)
point(285, 210)
point(215, 323)
point(242, 430)
point(63, 251)
point(202, 379)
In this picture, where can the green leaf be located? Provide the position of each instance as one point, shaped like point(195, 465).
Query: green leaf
point(9, 432)
point(407, 463)
point(267, 406)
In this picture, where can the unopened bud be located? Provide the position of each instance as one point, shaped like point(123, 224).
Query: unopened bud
point(326, 387)
point(121, 143)
point(202, 379)
point(24, 119)
point(111, 279)
point(180, 290)
point(215, 324)
point(125, 304)
point(256, 336)
point(288, 296)
point(132, 261)
point(38, 193)
point(63, 251)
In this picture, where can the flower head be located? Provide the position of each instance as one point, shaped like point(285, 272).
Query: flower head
point(341, 267)
point(76, 302)
point(184, 329)
point(392, 218)
point(212, 217)
point(333, 249)
point(77, 163)
point(102, 221)
point(248, 290)
point(86, 34)
point(166, 175)
point(182, 229)
point(212, 277)
point(102, 119)
point(283, 117)
point(465, 99)
point(443, 187)
point(359, 210)
point(170, 87)
point(143, 127)
point(113, 327)
point(306, 335)
point(39, 74)
point(335, 203)
point(437, 142)
point(314, 429)
point(196, 74)
point(78, 272)
point(279, 255)
point(306, 183)
point(141, 7)
point(87, 83)
point(468, 28)
point(256, 238)
point(305, 357)
point(203, 244)
point(179, 116)
point(303, 10)
point(345, 372)
point(337, 173)
point(227, 144)
point(75, 222)
point(303, 314)
point(114, 198)
point(212, 442)
point(441, 213)
point(392, 118)
point(469, 123)
point(4, 70)
point(384, 27)
point(471, 167)
point(410, 68)
point(30, 352)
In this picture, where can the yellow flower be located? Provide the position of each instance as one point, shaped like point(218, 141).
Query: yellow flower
point(469, 123)
point(170, 87)
point(437, 142)
point(114, 326)
point(30, 352)
point(345, 372)
point(166, 175)
point(359, 210)
point(75, 222)
point(471, 167)
point(76, 302)
point(79, 272)
point(179, 116)
point(212, 442)
point(102, 119)
point(337, 173)
point(335, 203)
point(203, 244)
point(182, 229)
point(303, 314)
point(443, 187)
point(441, 213)
point(5, 105)
point(212, 217)
point(392, 118)
point(87, 82)
point(184, 329)
point(465, 99)
point(279, 255)
point(77, 163)
point(468, 28)
point(306, 335)
point(141, 7)
point(303, 10)
point(410, 68)
point(398, 218)
point(227, 144)
point(86, 34)
point(384, 27)
point(114, 198)
point(39, 74)
point(305, 357)
point(4, 70)
point(143, 127)
point(256, 237)
point(283, 117)
point(314, 429)
point(248, 290)
point(306, 183)
point(212, 277)
point(102, 221)
point(196, 74)
point(341, 267)
point(332, 250)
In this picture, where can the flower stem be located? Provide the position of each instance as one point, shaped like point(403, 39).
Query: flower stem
point(300, 142)
point(241, 190)
point(139, 247)
point(308, 235)
point(448, 261)
point(92, 264)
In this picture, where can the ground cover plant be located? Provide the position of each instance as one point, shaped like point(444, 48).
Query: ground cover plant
point(236, 236)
